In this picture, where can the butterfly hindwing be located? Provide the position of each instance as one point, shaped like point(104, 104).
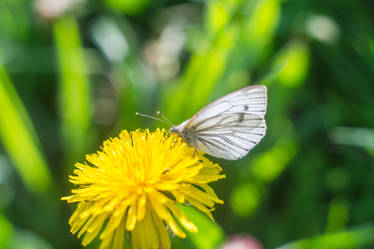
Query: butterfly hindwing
point(232, 141)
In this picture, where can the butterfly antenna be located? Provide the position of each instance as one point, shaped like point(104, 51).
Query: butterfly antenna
point(167, 120)
point(148, 116)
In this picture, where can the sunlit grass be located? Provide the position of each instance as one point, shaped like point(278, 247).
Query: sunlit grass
point(294, 64)
point(20, 139)
point(75, 89)
point(6, 231)
point(359, 237)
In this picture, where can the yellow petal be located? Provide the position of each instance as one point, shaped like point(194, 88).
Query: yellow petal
point(131, 218)
point(141, 209)
point(183, 219)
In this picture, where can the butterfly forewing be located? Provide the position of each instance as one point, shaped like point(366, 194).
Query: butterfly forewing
point(230, 126)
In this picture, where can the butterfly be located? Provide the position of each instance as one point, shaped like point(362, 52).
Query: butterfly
point(230, 126)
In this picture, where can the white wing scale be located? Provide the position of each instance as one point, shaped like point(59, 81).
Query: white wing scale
point(254, 98)
point(230, 126)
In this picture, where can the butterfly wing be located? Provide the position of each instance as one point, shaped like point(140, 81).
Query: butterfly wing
point(232, 125)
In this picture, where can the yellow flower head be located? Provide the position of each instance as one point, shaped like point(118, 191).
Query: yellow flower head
point(134, 183)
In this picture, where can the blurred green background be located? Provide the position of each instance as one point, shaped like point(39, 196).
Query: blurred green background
point(74, 72)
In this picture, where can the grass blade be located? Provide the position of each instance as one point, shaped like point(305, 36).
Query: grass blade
point(75, 102)
point(356, 238)
point(20, 140)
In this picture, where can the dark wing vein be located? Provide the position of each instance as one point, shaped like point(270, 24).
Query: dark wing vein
point(227, 116)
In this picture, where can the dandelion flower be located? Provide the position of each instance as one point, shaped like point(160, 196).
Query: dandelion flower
point(133, 185)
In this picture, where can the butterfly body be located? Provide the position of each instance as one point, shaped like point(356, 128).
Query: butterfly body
point(230, 126)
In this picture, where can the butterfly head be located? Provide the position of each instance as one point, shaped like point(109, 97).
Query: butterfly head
point(182, 131)
point(174, 129)
point(177, 129)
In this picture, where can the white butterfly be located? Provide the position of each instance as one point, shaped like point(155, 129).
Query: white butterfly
point(230, 126)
